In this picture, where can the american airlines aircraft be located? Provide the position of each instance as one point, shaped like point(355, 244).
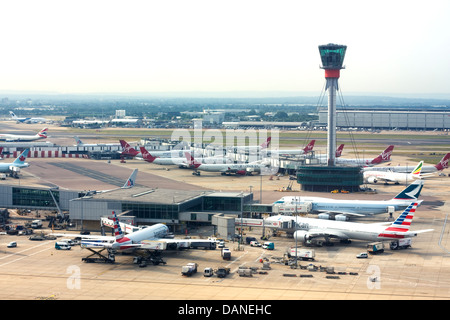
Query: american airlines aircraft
point(81, 144)
point(309, 228)
point(327, 208)
point(15, 137)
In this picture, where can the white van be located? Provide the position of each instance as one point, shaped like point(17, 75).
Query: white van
point(62, 246)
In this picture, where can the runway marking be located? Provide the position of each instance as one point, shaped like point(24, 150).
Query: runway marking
point(23, 257)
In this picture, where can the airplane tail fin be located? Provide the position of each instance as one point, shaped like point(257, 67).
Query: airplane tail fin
point(131, 180)
point(22, 157)
point(417, 170)
point(443, 164)
point(309, 146)
point(339, 150)
point(411, 192)
point(127, 149)
point(266, 143)
point(13, 115)
point(43, 133)
point(118, 233)
point(191, 161)
point(78, 141)
point(146, 155)
point(384, 156)
point(401, 225)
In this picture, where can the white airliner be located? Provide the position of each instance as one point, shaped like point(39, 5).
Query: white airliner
point(227, 168)
point(441, 165)
point(251, 149)
point(15, 137)
point(27, 120)
point(310, 228)
point(13, 168)
point(327, 208)
point(291, 152)
point(129, 151)
point(81, 144)
point(154, 238)
point(373, 176)
point(383, 157)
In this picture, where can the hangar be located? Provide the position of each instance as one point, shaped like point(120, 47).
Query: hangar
point(379, 118)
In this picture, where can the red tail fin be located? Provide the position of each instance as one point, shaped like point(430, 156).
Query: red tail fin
point(339, 151)
point(443, 164)
point(127, 149)
point(146, 155)
point(191, 161)
point(309, 146)
point(266, 144)
point(384, 156)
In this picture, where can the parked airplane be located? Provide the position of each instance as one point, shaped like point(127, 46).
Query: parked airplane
point(290, 152)
point(129, 151)
point(441, 165)
point(154, 238)
point(13, 168)
point(128, 184)
point(251, 149)
point(396, 177)
point(226, 168)
point(383, 157)
point(327, 208)
point(14, 137)
point(27, 120)
point(310, 228)
point(81, 144)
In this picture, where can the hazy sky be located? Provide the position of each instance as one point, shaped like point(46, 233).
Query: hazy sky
point(235, 45)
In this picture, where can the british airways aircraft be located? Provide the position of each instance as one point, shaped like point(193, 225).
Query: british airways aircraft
point(16, 137)
point(327, 208)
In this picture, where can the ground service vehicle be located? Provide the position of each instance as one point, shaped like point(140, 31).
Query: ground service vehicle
point(208, 272)
point(12, 244)
point(255, 244)
point(222, 272)
point(36, 224)
point(268, 245)
point(375, 247)
point(189, 269)
point(250, 239)
point(59, 245)
point(400, 244)
point(226, 254)
point(362, 255)
point(303, 254)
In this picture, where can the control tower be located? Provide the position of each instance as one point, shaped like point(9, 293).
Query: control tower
point(330, 177)
point(332, 56)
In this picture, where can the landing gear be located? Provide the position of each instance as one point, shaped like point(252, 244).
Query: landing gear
point(195, 173)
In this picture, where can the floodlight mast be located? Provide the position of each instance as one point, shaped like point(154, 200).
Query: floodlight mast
point(332, 56)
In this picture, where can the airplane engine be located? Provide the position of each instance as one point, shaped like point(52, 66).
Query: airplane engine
point(372, 180)
point(301, 235)
point(341, 217)
point(324, 216)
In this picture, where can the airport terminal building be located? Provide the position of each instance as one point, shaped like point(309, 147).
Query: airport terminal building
point(141, 205)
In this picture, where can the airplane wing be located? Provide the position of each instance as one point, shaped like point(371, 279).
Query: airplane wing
point(316, 233)
point(75, 235)
point(347, 213)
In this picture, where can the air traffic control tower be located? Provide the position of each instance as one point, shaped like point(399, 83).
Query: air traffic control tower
point(331, 177)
